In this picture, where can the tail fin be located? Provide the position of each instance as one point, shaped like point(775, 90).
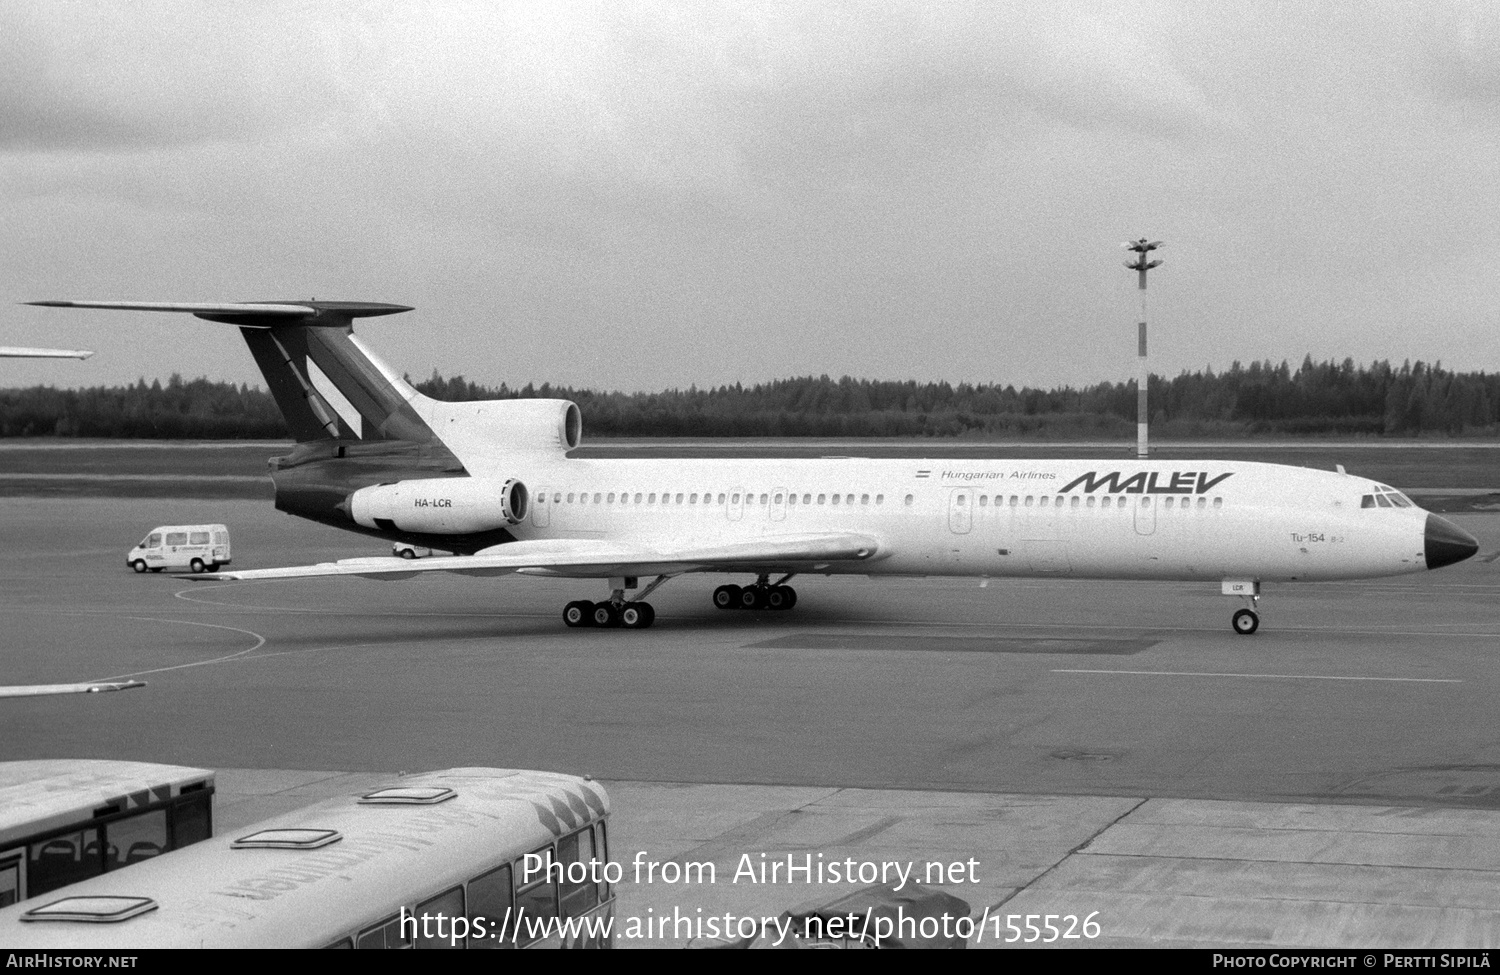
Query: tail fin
point(327, 385)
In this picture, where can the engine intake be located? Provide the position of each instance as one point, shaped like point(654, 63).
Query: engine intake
point(441, 506)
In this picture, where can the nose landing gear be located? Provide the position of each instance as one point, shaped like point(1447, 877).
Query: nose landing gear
point(1245, 621)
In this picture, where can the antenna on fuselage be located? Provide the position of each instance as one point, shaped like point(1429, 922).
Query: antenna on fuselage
point(1141, 248)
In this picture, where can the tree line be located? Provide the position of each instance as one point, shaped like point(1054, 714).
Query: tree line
point(1323, 398)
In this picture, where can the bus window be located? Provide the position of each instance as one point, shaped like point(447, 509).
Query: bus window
point(447, 905)
point(539, 897)
point(10, 881)
point(63, 860)
point(386, 934)
point(601, 853)
point(136, 838)
point(576, 896)
point(490, 898)
point(191, 820)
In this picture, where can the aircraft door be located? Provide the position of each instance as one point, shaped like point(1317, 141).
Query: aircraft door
point(961, 511)
point(735, 504)
point(778, 504)
point(541, 509)
point(1145, 515)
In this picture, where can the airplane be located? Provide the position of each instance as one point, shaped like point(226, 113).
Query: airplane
point(492, 481)
point(21, 352)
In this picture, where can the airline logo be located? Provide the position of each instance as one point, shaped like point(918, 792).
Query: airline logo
point(1142, 482)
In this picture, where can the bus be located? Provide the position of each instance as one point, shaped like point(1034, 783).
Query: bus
point(63, 821)
point(462, 858)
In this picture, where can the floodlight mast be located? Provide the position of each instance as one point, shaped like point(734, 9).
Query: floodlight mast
point(1140, 265)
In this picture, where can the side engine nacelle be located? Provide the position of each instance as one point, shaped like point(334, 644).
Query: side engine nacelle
point(441, 506)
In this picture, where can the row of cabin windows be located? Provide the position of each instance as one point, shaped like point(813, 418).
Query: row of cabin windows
point(1077, 501)
point(501, 895)
point(109, 844)
point(984, 500)
point(778, 497)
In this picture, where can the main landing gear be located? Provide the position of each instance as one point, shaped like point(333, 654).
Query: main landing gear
point(615, 611)
point(762, 595)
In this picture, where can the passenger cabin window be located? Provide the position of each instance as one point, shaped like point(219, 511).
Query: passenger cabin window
point(576, 896)
point(823, 499)
point(539, 897)
point(490, 898)
point(386, 934)
point(835, 499)
point(450, 904)
point(1218, 502)
point(721, 498)
point(807, 499)
point(637, 497)
point(198, 538)
point(597, 495)
point(909, 499)
point(176, 538)
point(135, 838)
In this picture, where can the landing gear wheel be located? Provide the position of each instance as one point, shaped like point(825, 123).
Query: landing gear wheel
point(605, 614)
point(780, 597)
point(727, 597)
point(637, 616)
point(1246, 622)
point(139, 566)
point(196, 565)
point(753, 597)
point(579, 613)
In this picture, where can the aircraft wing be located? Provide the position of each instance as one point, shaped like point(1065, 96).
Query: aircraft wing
point(20, 352)
point(93, 687)
point(586, 558)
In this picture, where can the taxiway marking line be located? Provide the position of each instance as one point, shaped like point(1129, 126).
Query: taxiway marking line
point(260, 641)
point(1185, 673)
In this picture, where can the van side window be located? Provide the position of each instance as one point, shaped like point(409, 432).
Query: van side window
point(176, 538)
point(198, 538)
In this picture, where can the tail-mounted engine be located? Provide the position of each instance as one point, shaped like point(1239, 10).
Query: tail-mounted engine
point(440, 506)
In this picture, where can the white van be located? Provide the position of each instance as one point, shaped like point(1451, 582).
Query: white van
point(197, 548)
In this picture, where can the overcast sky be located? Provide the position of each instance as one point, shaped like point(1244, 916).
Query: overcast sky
point(639, 195)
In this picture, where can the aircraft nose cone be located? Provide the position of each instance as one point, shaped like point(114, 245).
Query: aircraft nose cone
point(1446, 543)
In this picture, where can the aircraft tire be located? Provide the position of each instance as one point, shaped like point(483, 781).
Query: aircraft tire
point(139, 566)
point(1246, 622)
point(578, 613)
point(637, 616)
point(196, 565)
point(727, 597)
point(791, 596)
point(779, 598)
point(605, 614)
point(753, 597)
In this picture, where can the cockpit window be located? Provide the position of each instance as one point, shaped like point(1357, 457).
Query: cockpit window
point(1368, 501)
point(1383, 501)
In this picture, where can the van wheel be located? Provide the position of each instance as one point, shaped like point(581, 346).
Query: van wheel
point(139, 565)
point(407, 553)
point(196, 565)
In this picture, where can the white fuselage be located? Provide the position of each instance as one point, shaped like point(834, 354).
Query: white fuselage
point(1141, 520)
